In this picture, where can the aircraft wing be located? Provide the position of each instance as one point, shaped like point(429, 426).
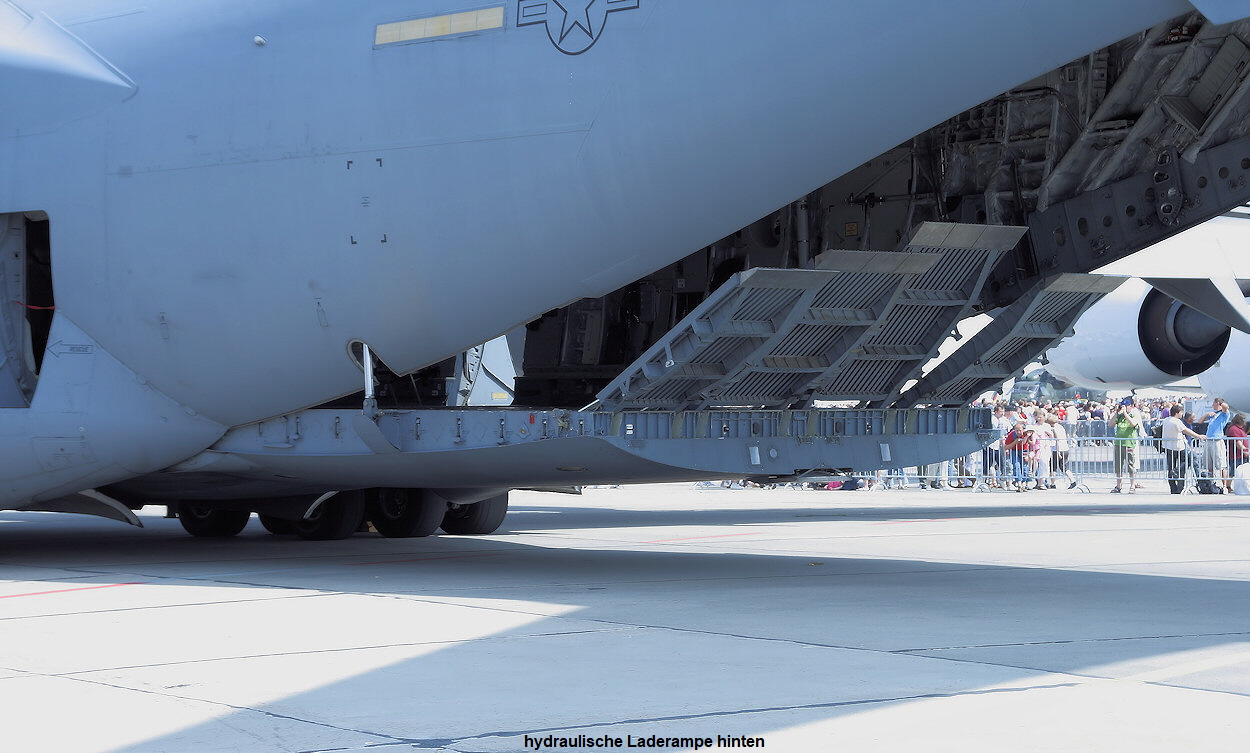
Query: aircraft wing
point(1223, 11)
point(1219, 298)
point(39, 55)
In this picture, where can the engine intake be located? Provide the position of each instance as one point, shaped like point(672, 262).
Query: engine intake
point(1177, 339)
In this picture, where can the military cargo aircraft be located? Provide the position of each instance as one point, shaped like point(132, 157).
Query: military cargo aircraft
point(251, 249)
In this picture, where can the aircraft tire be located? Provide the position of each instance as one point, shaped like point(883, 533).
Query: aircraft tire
point(336, 518)
point(203, 521)
point(276, 526)
point(478, 518)
point(404, 513)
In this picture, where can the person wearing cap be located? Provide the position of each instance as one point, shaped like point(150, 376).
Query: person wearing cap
point(1128, 423)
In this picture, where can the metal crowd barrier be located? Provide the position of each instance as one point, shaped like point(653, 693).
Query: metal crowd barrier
point(1200, 466)
point(1092, 463)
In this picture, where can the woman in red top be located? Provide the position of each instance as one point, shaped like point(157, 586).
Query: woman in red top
point(1019, 444)
point(1238, 447)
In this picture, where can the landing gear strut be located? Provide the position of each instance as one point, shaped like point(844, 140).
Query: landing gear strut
point(336, 518)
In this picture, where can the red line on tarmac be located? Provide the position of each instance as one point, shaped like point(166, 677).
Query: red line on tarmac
point(68, 590)
point(425, 559)
point(696, 538)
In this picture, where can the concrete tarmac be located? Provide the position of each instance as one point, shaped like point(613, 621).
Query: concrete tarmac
point(800, 620)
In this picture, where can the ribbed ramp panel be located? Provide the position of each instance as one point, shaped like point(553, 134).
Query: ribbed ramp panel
point(857, 327)
point(1033, 324)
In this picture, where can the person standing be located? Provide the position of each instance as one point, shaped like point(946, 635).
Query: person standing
point(993, 467)
point(1044, 440)
point(1214, 453)
point(1175, 448)
point(1237, 446)
point(1059, 460)
point(1017, 444)
point(1127, 426)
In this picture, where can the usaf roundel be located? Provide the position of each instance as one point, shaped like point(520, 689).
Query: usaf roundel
point(573, 25)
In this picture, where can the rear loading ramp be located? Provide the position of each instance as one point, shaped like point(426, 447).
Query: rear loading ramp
point(318, 450)
point(1036, 322)
point(857, 327)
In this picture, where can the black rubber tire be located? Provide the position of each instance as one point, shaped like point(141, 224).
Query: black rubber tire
point(276, 526)
point(205, 521)
point(336, 518)
point(478, 518)
point(404, 513)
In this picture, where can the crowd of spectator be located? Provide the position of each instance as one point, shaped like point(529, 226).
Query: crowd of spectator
point(1035, 441)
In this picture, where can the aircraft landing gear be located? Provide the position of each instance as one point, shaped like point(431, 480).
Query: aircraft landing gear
point(336, 518)
point(394, 513)
point(404, 513)
point(478, 518)
point(205, 521)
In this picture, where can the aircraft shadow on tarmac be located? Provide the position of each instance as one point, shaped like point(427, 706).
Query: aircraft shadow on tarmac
point(635, 640)
point(860, 508)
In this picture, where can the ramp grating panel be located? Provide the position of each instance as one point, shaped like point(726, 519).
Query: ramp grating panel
point(857, 327)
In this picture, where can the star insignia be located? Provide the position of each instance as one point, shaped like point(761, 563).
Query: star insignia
point(573, 21)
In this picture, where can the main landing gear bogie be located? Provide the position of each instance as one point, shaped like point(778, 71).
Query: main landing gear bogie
point(210, 522)
point(404, 513)
point(336, 518)
point(477, 519)
point(393, 513)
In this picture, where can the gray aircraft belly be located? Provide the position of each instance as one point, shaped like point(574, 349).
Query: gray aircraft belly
point(507, 448)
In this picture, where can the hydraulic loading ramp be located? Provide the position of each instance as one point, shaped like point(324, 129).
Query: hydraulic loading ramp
point(857, 327)
point(1033, 324)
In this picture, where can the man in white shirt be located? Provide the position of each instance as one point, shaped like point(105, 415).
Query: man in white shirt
point(1176, 449)
point(992, 467)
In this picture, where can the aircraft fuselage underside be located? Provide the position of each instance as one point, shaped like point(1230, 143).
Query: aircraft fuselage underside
point(311, 451)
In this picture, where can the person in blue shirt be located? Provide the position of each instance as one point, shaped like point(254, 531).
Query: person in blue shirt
point(1215, 453)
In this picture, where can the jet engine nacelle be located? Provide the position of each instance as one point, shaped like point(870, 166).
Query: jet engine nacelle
point(1138, 337)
